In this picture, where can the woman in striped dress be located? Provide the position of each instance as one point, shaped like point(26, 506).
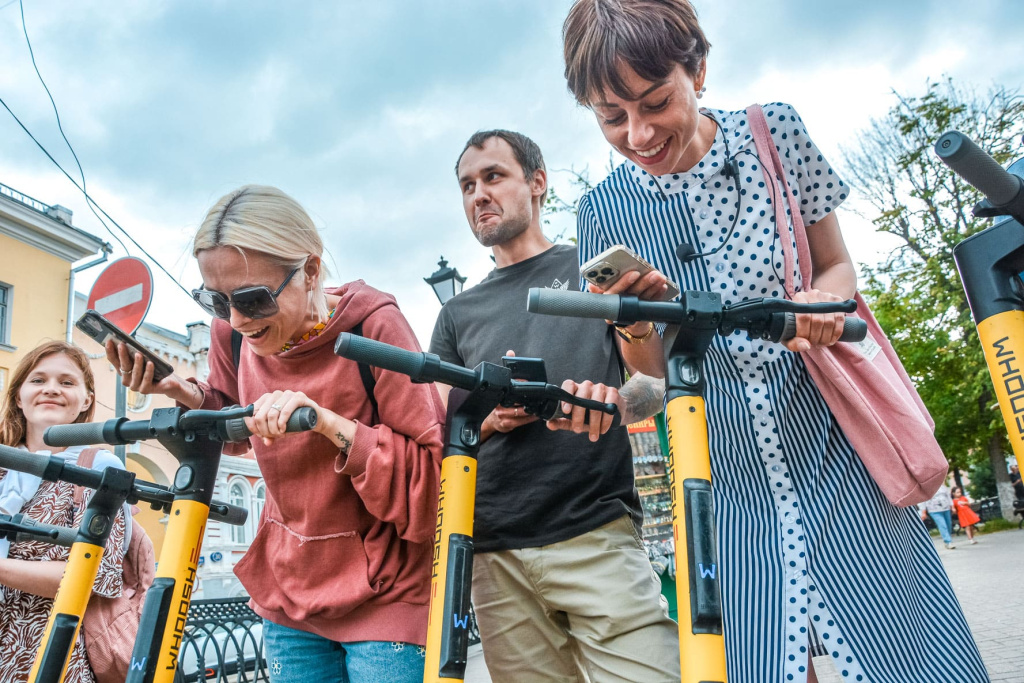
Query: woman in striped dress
point(817, 559)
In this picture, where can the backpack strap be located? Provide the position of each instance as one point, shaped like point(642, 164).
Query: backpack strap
point(85, 459)
point(236, 347)
point(365, 373)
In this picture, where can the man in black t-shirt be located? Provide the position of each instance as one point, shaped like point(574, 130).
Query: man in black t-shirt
point(561, 580)
point(1015, 480)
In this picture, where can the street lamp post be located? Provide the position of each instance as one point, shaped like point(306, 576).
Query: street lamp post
point(446, 281)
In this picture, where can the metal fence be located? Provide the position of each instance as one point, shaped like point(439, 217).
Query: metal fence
point(223, 643)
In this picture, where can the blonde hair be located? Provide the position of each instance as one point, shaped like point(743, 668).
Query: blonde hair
point(12, 420)
point(265, 220)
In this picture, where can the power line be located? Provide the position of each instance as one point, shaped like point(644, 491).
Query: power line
point(75, 182)
point(32, 55)
point(90, 202)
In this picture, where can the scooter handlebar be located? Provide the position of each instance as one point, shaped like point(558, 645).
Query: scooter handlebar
point(854, 329)
point(302, 420)
point(56, 535)
point(978, 168)
point(573, 304)
point(23, 461)
point(79, 434)
point(228, 514)
point(420, 366)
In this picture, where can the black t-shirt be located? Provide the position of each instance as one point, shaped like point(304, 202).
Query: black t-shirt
point(536, 486)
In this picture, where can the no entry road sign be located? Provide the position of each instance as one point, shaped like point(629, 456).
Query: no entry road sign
point(122, 293)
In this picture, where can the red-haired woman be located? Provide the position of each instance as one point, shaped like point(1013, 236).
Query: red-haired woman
point(52, 385)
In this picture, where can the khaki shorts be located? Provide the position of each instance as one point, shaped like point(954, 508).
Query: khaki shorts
point(586, 609)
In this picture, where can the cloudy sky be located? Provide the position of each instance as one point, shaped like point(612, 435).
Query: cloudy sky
point(359, 109)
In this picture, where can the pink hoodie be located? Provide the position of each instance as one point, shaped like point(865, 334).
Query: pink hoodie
point(345, 542)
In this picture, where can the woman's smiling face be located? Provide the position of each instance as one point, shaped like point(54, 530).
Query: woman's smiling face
point(226, 269)
point(657, 127)
point(54, 393)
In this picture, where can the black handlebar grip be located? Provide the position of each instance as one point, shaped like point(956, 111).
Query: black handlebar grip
point(854, 329)
point(65, 536)
point(974, 165)
point(23, 461)
point(228, 514)
point(80, 434)
point(380, 355)
point(573, 304)
point(302, 420)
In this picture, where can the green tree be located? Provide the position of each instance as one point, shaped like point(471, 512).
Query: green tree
point(916, 292)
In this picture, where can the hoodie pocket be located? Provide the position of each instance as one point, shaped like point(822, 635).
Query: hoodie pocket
point(322, 577)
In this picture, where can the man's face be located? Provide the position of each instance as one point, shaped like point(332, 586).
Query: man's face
point(497, 196)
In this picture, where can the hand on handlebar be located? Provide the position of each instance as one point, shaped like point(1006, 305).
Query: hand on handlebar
point(271, 411)
point(596, 423)
point(818, 329)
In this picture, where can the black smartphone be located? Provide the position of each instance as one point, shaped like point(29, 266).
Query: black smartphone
point(100, 329)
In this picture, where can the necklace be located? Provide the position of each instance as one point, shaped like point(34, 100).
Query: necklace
point(315, 332)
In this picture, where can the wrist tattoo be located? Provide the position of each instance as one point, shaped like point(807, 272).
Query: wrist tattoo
point(642, 397)
point(343, 443)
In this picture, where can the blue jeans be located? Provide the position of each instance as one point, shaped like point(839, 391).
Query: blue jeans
point(944, 523)
point(300, 657)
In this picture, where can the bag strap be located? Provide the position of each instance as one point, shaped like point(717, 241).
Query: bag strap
point(775, 175)
point(85, 459)
point(365, 373)
point(236, 347)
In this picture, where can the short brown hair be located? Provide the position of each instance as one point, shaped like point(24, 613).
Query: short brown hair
point(526, 151)
point(650, 36)
point(12, 420)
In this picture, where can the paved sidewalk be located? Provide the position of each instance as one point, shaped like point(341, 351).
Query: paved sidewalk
point(988, 580)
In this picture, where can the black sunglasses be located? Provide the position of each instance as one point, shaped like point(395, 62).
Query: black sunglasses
point(252, 302)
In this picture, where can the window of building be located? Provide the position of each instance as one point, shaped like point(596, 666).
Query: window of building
point(259, 500)
point(6, 293)
point(237, 496)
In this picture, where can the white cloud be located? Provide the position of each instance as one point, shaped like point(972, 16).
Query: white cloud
point(360, 109)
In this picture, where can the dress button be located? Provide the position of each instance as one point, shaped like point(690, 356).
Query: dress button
point(704, 213)
point(720, 267)
point(789, 518)
point(775, 468)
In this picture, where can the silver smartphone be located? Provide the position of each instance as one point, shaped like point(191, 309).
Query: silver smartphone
point(606, 268)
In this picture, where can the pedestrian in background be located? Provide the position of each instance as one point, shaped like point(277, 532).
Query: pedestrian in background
point(938, 508)
point(964, 514)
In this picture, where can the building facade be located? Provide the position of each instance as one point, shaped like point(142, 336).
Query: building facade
point(38, 247)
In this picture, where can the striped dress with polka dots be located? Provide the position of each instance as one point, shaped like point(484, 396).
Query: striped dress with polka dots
point(813, 556)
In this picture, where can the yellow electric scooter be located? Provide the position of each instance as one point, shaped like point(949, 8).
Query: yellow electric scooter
point(699, 317)
point(990, 264)
point(517, 382)
point(194, 437)
point(113, 488)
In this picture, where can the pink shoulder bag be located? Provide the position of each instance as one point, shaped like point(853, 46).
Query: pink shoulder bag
point(864, 384)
